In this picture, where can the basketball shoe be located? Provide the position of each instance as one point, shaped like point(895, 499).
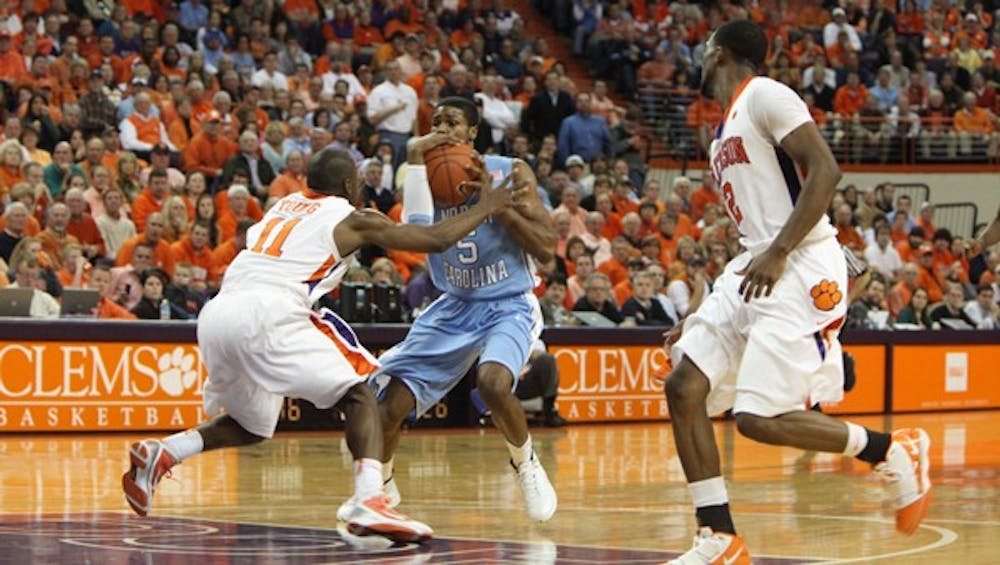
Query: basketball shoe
point(539, 496)
point(149, 462)
point(389, 489)
point(711, 548)
point(904, 474)
point(373, 517)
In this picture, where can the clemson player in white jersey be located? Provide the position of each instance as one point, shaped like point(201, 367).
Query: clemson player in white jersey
point(764, 343)
point(261, 341)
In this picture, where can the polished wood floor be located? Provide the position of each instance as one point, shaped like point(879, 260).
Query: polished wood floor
point(620, 487)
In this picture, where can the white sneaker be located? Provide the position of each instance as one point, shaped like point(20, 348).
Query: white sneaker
point(149, 462)
point(373, 517)
point(712, 548)
point(905, 475)
point(389, 489)
point(539, 496)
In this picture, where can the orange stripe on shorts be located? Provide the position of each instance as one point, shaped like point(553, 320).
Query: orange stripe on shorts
point(362, 366)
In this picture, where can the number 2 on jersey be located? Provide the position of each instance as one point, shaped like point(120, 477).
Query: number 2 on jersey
point(274, 250)
point(730, 196)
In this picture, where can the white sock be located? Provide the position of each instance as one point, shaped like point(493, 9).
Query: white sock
point(709, 492)
point(520, 454)
point(184, 444)
point(857, 440)
point(367, 478)
point(387, 469)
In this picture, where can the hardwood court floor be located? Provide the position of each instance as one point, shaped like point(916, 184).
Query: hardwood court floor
point(620, 486)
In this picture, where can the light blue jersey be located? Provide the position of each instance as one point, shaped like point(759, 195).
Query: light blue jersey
point(486, 264)
point(488, 312)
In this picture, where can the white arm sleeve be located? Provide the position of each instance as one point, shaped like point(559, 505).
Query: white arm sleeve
point(418, 205)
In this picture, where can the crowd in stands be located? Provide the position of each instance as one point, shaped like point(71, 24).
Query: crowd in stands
point(886, 80)
point(141, 140)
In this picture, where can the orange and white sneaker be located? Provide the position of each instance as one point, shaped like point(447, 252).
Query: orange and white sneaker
point(374, 517)
point(389, 489)
point(905, 474)
point(150, 462)
point(711, 548)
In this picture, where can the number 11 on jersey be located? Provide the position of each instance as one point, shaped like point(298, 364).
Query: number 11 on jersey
point(274, 249)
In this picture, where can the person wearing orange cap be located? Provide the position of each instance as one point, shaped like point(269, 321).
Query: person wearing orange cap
point(929, 279)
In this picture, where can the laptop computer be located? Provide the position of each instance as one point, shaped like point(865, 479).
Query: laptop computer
point(16, 302)
point(956, 324)
point(79, 302)
point(594, 320)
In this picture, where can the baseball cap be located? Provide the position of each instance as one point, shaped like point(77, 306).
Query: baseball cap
point(838, 11)
point(970, 17)
point(925, 249)
point(575, 161)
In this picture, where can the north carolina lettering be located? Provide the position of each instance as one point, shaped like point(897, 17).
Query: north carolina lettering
point(476, 277)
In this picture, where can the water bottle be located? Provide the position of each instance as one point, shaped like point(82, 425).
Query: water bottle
point(164, 309)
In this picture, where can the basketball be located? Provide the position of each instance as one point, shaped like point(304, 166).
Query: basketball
point(446, 172)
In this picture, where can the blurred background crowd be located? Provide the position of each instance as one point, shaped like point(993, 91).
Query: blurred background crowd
point(141, 139)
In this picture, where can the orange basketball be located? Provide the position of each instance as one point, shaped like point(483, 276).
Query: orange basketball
point(446, 172)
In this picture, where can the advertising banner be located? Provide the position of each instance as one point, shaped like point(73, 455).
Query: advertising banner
point(945, 377)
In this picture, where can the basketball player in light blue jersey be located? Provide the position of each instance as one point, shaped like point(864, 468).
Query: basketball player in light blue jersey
point(488, 311)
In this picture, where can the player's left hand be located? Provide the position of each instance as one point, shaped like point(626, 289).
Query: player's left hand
point(760, 275)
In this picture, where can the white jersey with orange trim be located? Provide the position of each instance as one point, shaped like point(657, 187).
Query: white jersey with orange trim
point(758, 180)
point(292, 247)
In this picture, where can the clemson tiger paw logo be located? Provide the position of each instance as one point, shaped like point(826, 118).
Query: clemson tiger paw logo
point(826, 295)
point(177, 372)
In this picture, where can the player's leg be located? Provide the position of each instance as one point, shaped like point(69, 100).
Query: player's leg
point(687, 389)
point(703, 383)
point(787, 366)
point(333, 358)
point(150, 460)
point(438, 351)
point(514, 325)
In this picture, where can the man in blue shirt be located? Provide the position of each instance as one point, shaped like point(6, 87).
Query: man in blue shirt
point(193, 16)
point(583, 133)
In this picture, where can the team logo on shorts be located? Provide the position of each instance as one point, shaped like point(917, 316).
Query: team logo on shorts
point(826, 295)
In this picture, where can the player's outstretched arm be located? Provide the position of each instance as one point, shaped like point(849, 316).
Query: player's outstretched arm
point(371, 227)
point(809, 150)
point(528, 222)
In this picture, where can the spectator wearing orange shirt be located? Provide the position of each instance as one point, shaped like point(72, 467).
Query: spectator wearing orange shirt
point(82, 225)
point(225, 252)
point(703, 116)
point(151, 199)
point(851, 97)
point(12, 65)
point(929, 279)
point(926, 218)
point(973, 29)
point(658, 70)
point(937, 41)
point(292, 180)
point(239, 199)
point(701, 198)
point(901, 293)
point(973, 123)
point(616, 268)
point(55, 236)
point(100, 280)
point(193, 248)
point(847, 233)
point(151, 237)
point(208, 151)
point(908, 249)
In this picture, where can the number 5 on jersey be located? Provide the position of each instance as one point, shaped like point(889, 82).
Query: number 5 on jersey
point(274, 249)
point(734, 211)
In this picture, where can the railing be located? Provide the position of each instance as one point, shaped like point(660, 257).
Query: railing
point(959, 217)
point(917, 191)
point(855, 140)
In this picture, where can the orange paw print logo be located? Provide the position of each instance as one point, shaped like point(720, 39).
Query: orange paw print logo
point(826, 295)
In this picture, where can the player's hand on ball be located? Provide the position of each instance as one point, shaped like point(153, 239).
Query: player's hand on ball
point(760, 275)
point(494, 199)
point(416, 147)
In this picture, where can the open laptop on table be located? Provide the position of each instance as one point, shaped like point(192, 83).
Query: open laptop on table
point(79, 303)
point(16, 302)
